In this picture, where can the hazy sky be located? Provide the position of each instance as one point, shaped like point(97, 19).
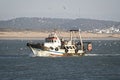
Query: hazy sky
point(93, 9)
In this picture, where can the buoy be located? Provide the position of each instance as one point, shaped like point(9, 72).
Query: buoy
point(89, 47)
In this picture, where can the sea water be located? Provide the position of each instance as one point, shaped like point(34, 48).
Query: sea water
point(103, 63)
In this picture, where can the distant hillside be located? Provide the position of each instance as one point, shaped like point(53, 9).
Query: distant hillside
point(25, 23)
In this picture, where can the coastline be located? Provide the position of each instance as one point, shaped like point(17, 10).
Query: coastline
point(35, 35)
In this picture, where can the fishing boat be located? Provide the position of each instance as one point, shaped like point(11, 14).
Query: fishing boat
point(53, 46)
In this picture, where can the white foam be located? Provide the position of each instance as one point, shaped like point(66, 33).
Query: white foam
point(102, 54)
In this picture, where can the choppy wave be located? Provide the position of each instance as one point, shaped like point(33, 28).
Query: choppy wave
point(12, 56)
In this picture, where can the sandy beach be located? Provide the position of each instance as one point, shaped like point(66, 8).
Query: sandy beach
point(35, 35)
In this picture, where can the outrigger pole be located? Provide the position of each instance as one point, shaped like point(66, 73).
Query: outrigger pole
point(71, 37)
point(81, 40)
point(71, 31)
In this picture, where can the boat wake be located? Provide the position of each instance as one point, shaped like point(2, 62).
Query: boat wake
point(102, 54)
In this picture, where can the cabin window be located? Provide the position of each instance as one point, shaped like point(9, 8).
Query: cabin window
point(70, 47)
point(73, 47)
point(67, 47)
point(48, 40)
point(54, 40)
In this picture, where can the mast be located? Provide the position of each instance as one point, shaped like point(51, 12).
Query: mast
point(71, 36)
point(81, 40)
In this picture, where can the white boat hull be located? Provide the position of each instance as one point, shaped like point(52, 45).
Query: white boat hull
point(53, 53)
point(47, 53)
